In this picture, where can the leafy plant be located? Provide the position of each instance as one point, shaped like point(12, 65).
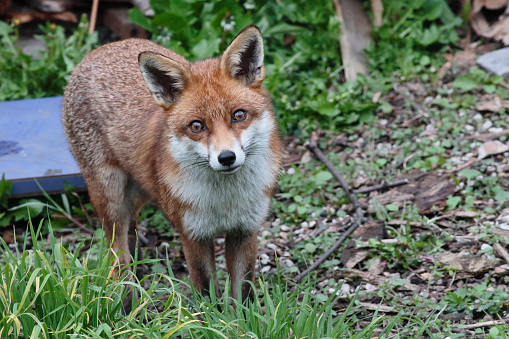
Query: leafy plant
point(24, 76)
point(479, 298)
point(411, 34)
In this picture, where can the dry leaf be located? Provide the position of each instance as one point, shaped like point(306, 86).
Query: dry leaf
point(490, 148)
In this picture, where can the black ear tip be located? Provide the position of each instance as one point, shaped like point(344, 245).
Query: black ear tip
point(252, 28)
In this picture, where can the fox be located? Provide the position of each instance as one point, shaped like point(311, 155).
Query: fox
point(198, 138)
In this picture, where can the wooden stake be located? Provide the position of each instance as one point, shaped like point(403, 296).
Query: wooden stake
point(93, 16)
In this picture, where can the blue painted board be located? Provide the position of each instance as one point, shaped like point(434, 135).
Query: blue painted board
point(33, 147)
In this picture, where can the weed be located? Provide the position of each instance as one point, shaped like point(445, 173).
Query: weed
point(24, 76)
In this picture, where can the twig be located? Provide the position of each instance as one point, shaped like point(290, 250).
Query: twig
point(313, 147)
point(485, 324)
point(93, 16)
point(324, 256)
point(319, 230)
point(381, 186)
point(77, 223)
point(502, 251)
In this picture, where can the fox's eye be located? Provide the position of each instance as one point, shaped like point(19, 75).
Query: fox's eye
point(239, 115)
point(196, 126)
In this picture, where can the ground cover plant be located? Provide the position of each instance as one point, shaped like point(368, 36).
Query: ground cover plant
point(428, 262)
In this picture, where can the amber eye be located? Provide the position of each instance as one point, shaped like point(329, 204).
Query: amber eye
point(196, 126)
point(239, 115)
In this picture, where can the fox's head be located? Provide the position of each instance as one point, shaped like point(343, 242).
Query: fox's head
point(218, 114)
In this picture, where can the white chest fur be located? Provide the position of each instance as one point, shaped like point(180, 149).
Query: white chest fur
point(219, 202)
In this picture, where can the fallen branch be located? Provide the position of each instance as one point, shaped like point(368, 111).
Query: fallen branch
point(485, 324)
point(313, 147)
point(501, 251)
point(381, 186)
point(324, 256)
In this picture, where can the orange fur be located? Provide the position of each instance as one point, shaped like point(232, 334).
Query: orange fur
point(130, 132)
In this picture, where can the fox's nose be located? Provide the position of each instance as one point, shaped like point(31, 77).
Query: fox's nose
point(226, 158)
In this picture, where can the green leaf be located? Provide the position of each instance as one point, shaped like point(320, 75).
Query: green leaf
point(328, 109)
point(322, 177)
point(470, 173)
point(138, 18)
point(392, 207)
point(453, 201)
point(465, 82)
point(5, 190)
point(501, 194)
point(310, 247)
point(206, 48)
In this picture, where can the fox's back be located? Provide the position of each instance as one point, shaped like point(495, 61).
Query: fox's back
point(108, 92)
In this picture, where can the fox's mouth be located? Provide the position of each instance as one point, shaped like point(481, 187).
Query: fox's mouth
point(230, 170)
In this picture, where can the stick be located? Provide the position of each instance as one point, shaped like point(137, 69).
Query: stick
point(484, 324)
point(93, 16)
point(502, 251)
point(313, 147)
point(324, 256)
point(381, 186)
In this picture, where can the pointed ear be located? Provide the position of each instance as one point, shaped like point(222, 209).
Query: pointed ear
point(243, 59)
point(165, 77)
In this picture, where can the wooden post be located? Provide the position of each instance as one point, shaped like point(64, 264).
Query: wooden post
point(354, 37)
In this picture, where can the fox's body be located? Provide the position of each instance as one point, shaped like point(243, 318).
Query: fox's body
point(204, 145)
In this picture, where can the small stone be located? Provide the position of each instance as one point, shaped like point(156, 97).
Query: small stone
point(290, 171)
point(478, 116)
point(304, 224)
point(496, 62)
point(469, 127)
point(383, 122)
point(285, 228)
point(487, 124)
point(266, 233)
point(265, 269)
point(369, 287)
point(345, 288)
point(276, 222)
point(495, 129)
point(271, 246)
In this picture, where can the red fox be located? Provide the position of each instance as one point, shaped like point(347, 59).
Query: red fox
point(199, 138)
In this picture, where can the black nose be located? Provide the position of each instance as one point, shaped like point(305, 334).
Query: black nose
point(226, 158)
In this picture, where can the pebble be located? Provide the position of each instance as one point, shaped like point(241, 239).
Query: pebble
point(478, 116)
point(285, 228)
point(304, 224)
point(264, 259)
point(271, 246)
point(369, 287)
point(469, 127)
point(276, 222)
point(495, 129)
point(487, 124)
point(290, 171)
point(265, 269)
point(383, 122)
point(266, 233)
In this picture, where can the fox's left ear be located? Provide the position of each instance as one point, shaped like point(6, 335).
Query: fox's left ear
point(243, 59)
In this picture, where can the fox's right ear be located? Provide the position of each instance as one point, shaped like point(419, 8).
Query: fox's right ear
point(165, 77)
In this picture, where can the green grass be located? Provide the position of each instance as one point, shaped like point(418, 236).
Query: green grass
point(48, 292)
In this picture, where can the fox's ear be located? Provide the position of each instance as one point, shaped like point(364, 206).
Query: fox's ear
point(243, 59)
point(165, 77)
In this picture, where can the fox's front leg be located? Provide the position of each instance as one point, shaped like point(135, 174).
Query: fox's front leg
point(240, 252)
point(200, 259)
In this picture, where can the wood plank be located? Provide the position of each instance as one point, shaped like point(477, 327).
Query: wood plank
point(355, 37)
point(33, 147)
